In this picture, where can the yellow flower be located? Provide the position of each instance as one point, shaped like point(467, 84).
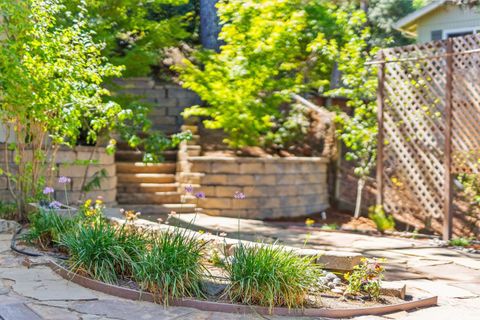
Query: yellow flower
point(309, 222)
point(87, 203)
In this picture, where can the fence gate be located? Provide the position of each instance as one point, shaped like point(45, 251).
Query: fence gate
point(429, 125)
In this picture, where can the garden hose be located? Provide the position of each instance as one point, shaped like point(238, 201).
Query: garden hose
point(13, 246)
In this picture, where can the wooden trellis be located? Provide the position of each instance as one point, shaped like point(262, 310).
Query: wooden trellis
point(429, 124)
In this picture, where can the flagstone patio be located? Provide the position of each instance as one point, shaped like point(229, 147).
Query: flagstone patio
point(37, 293)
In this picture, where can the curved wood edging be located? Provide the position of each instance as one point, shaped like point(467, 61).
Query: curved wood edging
point(132, 294)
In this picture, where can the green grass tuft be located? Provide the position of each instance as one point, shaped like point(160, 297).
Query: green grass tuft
point(47, 227)
point(269, 275)
point(460, 242)
point(103, 251)
point(172, 267)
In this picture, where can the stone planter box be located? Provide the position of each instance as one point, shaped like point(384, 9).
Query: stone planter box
point(274, 187)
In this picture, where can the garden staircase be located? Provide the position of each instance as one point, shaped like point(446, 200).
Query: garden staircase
point(151, 188)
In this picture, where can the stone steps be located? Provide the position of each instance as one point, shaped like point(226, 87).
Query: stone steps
point(137, 156)
point(140, 167)
point(153, 189)
point(149, 198)
point(147, 187)
point(138, 178)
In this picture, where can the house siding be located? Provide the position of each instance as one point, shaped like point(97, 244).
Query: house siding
point(447, 17)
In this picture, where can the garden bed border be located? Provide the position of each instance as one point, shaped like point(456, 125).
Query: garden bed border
point(132, 294)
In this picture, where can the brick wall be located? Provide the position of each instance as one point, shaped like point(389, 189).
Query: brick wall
point(274, 187)
point(167, 100)
point(66, 160)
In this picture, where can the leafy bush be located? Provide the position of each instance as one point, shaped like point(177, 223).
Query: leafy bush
point(172, 268)
point(381, 219)
point(366, 277)
point(270, 276)
point(103, 251)
point(47, 227)
point(460, 242)
point(271, 49)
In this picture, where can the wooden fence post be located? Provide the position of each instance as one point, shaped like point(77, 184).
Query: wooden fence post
point(448, 214)
point(380, 142)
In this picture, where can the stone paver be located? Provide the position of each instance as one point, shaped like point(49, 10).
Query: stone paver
point(453, 276)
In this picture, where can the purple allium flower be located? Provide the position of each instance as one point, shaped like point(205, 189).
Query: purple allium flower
point(189, 189)
point(200, 195)
point(64, 180)
point(48, 190)
point(239, 195)
point(55, 205)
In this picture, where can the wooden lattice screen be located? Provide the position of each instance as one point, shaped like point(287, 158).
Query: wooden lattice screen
point(429, 122)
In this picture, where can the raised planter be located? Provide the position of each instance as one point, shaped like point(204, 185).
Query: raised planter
point(132, 294)
point(274, 187)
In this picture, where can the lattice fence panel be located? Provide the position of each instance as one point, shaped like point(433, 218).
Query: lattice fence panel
point(466, 105)
point(414, 114)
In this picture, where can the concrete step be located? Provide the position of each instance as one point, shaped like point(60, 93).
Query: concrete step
point(137, 156)
point(146, 187)
point(140, 167)
point(148, 198)
point(125, 178)
point(159, 209)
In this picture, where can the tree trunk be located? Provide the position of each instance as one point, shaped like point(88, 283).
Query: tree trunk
point(209, 25)
point(358, 204)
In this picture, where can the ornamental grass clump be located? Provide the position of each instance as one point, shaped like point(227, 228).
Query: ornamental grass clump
point(47, 227)
point(171, 267)
point(102, 251)
point(269, 275)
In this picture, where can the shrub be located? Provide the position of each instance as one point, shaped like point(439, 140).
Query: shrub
point(366, 277)
point(270, 276)
point(382, 220)
point(47, 227)
point(102, 251)
point(460, 242)
point(172, 267)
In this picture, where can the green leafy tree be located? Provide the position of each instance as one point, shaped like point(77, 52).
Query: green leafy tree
point(271, 49)
point(50, 90)
point(382, 14)
point(136, 32)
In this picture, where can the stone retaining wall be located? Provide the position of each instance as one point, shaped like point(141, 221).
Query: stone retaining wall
point(168, 101)
point(68, 165)
point(274, 187)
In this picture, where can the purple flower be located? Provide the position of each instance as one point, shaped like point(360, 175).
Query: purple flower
point(200, 195)
point(189, 189)
point(64, 180)
point(55, 205)
point(239, 195)
point(48, 190)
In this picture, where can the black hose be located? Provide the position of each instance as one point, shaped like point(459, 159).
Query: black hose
point(13, 246)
